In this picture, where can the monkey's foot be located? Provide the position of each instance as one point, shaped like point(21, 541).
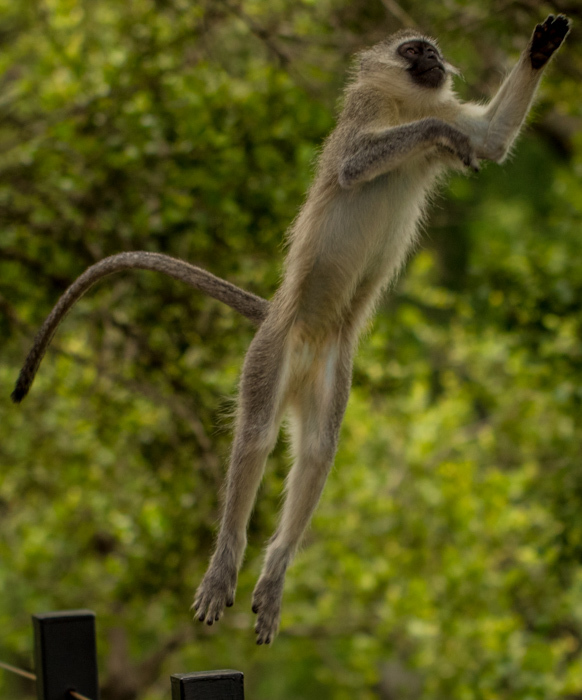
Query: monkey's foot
point(215, 592)
point(547, 37)
point(267, 606)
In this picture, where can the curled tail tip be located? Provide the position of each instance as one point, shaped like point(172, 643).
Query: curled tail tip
point(20, 391)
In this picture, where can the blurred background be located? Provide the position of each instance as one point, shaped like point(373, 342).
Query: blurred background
point(444, 561)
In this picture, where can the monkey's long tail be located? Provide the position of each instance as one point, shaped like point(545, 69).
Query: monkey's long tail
point(253, 307)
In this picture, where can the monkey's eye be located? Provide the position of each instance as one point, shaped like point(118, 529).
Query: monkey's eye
point(411, 51)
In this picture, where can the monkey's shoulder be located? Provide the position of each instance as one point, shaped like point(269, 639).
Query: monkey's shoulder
point(364, 104)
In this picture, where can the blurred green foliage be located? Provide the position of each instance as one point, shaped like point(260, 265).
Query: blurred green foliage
point(444, 560)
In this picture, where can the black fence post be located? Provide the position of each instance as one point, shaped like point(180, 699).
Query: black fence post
point(65, 654)
point(208, 685)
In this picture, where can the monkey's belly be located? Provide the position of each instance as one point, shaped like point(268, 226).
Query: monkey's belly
point(362, 243)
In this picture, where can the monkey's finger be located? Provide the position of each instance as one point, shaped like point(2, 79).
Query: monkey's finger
point(473, 163)
point(200, 607)
point(556, 31)
point(547, 38)
point(560, 27)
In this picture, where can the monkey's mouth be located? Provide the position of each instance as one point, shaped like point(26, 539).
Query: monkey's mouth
point(431, 77)
point(435, 67)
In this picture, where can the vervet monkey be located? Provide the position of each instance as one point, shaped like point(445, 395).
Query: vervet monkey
point(401, 127)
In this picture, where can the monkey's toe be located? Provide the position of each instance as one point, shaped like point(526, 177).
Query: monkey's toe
point(208, 608)
point(266, 627)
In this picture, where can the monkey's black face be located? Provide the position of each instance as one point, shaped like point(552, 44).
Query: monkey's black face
point(426, 65)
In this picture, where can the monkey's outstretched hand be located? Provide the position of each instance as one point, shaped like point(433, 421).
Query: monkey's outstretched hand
point(547, 38)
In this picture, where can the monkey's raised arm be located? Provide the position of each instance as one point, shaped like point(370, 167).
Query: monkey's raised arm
point(494, 127)
point(375, 153)
point(253, 307)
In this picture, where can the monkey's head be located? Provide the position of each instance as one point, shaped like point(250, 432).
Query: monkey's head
point(425, 65)
point(408, 59)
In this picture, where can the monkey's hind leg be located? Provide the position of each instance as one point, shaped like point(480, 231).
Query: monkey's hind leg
point(317, 415)
point(261, 398)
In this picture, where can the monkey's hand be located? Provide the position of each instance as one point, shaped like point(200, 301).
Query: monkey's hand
point(547, 38)
point(458, 144)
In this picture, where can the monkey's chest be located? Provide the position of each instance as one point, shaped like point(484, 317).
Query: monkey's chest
point(364, 239)
point(349, 244)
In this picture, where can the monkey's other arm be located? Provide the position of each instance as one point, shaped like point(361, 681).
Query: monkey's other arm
point(494, 127)
point(380, 152)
